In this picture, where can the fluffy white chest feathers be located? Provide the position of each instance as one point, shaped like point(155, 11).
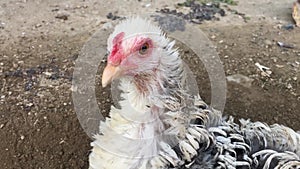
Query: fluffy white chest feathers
point(131, 135)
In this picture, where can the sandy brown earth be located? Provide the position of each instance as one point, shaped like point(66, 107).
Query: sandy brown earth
point(40, 41)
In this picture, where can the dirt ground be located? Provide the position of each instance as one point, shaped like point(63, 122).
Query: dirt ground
point(40, 41)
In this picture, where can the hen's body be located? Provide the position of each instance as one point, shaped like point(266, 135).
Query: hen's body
point(160, 125)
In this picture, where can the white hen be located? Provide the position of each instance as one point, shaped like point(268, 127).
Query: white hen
point(159, 125)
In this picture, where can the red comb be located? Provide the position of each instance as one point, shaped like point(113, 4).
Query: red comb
point(116, 52)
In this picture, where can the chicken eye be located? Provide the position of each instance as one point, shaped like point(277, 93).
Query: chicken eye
point(144, 49)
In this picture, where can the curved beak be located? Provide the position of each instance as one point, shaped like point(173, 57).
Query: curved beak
point(109, 74)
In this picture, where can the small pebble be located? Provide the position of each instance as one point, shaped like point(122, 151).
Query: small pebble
point(147, 5)
point(268, 42)
point(48, 73)
point(62, 141)
point(29, 104)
